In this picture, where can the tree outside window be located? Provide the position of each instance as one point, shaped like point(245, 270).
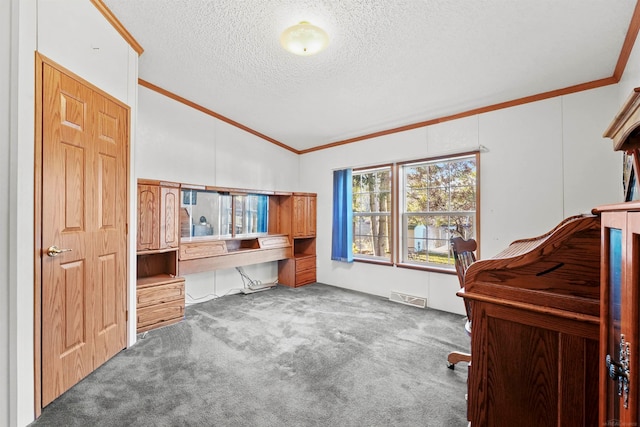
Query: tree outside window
point(439, 202)
point(372, 213)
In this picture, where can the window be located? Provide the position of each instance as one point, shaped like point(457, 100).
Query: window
point(438, 202)
point(250, 213)
point(372, 213)
point(437, 199)
point(212, 213)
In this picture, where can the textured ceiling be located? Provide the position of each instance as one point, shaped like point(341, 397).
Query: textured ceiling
point(389, 62)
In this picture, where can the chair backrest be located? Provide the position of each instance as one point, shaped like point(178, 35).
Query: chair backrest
point(464, 255)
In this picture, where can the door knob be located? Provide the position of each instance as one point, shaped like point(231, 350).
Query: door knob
point(55, 251)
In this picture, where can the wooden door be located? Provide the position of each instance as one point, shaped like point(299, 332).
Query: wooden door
point(619, 329)
point(84, 210)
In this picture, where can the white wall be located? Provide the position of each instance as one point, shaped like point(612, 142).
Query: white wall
point(544, 161)
point(21, 212)
point(178, 143)
point(5, 136)
point(74, 34)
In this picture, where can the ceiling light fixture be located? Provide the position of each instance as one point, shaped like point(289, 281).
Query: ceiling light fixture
point(304, 39)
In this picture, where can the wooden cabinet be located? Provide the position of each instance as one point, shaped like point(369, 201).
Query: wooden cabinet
point(158, 216)
point(304, 215)
point(159, 292)
point(620, 283)
point(299, 216)
point(160, 302)
point(297, 271)
point(619, 329)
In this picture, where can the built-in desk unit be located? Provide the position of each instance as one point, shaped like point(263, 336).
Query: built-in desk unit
point(185, 229)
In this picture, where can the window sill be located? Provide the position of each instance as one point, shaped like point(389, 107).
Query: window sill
point(373, 261)
point(427, 268)
point(409, 266)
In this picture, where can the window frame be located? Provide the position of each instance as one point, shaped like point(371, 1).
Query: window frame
point(403, 215)
point(397, 214)
point(391, 215)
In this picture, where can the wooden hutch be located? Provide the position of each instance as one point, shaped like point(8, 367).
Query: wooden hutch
point(619, 330)
point(174, 238)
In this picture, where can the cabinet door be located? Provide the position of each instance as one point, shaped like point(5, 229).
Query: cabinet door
point(169, 217)
point(311, 215)
point(619, 315)
point(148, 217)
point(304, 216)
point(300, 213)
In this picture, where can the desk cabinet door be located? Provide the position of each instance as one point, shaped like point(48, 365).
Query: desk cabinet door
point(304, 216)
point(169, 217)
point(148, 217)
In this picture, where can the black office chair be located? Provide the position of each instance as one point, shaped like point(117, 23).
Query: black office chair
point(464, 255)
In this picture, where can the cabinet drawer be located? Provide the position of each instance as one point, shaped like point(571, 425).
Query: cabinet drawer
point(305, 277)
point(159, 314)
point(202, 249)
point(274, 242)
point(160, 294)
point(306, 263)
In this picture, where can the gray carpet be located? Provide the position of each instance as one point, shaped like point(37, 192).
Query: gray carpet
point(312, 356)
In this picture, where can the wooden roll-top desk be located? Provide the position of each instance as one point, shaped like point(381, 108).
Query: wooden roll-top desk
point(556, 322)
point(535, 333)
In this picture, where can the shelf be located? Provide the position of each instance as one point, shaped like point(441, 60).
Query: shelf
point(152, 263)
point(304, 246)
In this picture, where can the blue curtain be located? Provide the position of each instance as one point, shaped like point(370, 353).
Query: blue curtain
point(263, 203)
point(342, 238)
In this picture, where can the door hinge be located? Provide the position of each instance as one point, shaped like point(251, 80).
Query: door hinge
point(126, 315)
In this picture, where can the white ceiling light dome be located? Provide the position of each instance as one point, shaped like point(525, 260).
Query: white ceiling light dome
point(304, 39)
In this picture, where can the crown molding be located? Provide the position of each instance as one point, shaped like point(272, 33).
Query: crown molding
point(623, 58)
point(629, 41)
point(126, 35)
point(525, 100)
point(211, 113)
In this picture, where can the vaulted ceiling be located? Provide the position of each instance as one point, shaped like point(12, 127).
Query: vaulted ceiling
point(390, 63)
